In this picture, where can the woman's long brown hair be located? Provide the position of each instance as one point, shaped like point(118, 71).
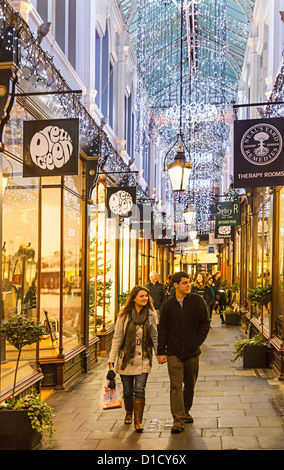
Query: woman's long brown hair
point(125, 311)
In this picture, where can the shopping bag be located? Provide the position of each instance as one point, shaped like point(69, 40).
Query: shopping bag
point(110, 396)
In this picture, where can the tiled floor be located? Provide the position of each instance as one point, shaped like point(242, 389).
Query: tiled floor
point(232, 407)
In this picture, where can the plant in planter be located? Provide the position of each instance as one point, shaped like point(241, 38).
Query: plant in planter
point(232, 317)
point(253, 351)
point(260, 297)
point(20, 332)
point(233, 289)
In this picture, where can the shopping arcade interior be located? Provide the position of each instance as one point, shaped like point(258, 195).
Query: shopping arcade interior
point(198, 121)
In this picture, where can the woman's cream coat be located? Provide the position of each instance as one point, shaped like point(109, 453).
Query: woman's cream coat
point(139, 364)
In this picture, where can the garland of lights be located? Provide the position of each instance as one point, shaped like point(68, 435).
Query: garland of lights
point(204, 128)
point(38, 70)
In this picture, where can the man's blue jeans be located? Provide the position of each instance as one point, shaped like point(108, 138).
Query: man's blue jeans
point(134, 385)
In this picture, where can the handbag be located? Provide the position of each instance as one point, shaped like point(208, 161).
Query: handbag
point(110, 395)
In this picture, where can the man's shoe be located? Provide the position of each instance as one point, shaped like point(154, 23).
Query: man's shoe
point(188, 418)
point(176, 428)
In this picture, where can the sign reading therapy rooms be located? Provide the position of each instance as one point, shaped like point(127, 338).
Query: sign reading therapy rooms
point(258, 153)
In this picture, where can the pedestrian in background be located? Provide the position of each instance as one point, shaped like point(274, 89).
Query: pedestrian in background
point(134, 338)
point(198, 285)
point(209, 296)
point(157, 292)
point(183, 327)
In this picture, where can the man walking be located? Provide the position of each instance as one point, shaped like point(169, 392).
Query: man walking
point(184, 325)
point(156, 292)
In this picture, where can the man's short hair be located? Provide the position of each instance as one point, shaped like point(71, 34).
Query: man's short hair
point(177, 277)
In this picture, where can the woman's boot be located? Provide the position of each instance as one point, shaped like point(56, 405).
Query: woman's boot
point(139, 404)
point(128, 404)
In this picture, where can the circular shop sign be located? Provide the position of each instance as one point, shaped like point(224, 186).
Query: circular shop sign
point(261, 144)
point(120, 203)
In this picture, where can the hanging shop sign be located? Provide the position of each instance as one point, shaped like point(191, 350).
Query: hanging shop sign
point(258, 153)
point(223, 231)
point(51, 148)
point(121, 202)
point(228, 213)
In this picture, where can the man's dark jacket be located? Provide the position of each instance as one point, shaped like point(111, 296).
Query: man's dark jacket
point(157, 293)
point(183, 330)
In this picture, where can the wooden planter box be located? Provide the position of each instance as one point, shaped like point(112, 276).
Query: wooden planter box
point(232, 319)
point(16, 432)
point(255, 357)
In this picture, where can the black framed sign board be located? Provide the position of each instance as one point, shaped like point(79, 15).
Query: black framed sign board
point(51, 147)
point(258, 153)
point(228, 213)
point(121, 201)
point(223, 231)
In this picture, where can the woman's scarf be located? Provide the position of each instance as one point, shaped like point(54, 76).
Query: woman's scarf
point(129, 341)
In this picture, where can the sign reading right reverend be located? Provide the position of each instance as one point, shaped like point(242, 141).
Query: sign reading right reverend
point(258, 153)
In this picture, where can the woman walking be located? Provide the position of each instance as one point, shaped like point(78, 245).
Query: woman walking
point(198, 285)
point(209, 296)
point(134, 338)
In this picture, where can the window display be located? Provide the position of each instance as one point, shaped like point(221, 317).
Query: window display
point(102, 286)
point(264, 250)
point(19, 262)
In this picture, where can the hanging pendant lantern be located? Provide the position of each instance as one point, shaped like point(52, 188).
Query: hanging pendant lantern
point(179, 171)
point(190, 214)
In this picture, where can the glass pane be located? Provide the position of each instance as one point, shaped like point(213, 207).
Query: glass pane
point(19, 263)
point(267, 258)
point(124, 257)
point(72, 304)
point(50, 271)
point(111, 236)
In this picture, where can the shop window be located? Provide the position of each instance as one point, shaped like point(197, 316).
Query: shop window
point(102, 265)
point(52, 297)
point(124, 257)
point(264, 250)
point(19, 263)
point(72, 297)
point(50, 270)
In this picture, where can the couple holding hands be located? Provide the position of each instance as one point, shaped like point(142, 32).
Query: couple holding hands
point(184, 325)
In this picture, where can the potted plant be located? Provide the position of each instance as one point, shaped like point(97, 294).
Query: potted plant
point(232, 317)
point(232, 291)
point(260, 297)
point(24, 421)
point(253, 351)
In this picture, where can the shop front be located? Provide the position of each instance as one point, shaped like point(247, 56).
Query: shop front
point(60, 264)
point(258, 262)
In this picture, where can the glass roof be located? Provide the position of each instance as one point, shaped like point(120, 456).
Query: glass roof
point(189, 96)
point(214, 41)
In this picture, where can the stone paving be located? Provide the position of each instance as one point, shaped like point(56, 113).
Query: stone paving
point(234, 409)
